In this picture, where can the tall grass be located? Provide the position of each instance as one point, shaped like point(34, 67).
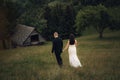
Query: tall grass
point(100, 60)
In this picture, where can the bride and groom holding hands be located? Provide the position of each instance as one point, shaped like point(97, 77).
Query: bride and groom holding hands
point(57, 48)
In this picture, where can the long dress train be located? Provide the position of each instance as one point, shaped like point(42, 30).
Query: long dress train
point(73, 58)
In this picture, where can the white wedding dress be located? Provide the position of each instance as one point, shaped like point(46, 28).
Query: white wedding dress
point(73, 58)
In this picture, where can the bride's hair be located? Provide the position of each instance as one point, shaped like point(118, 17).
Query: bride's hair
point(72, 39)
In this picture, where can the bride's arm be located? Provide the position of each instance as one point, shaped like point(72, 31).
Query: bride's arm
point(66, 46)
point(76, 43)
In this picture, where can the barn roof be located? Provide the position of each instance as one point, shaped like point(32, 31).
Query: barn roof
point(21, 34)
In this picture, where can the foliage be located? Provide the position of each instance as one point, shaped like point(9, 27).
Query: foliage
point(115, 20)
point(12, 10)
point(33, 17)
point(60, 17)
point(3, 23)
point(107, 3)
point(53, 15)
point(95, 16)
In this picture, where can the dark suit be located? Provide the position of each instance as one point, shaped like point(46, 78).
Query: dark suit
point(57, 47)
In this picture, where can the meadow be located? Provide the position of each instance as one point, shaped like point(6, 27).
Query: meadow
point(100, 59)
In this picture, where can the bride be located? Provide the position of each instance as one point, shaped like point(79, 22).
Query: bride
point(71, 46)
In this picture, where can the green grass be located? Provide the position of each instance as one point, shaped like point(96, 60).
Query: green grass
point(100, 60)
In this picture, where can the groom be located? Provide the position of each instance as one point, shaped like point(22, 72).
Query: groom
point(57, 48)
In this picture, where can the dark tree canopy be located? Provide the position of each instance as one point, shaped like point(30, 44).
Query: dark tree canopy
point(60, 15)
point(93, 16)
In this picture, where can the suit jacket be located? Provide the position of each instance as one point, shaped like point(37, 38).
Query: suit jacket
point(57, 45)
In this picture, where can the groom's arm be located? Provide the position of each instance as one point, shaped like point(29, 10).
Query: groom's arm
point(61, 45)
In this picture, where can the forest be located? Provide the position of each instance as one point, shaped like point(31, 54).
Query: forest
point(63, 16)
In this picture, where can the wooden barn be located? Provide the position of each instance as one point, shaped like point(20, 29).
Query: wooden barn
point(26, 35)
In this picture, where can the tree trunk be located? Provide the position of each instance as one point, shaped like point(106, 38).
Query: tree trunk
point(4, 44)
point(101, 34)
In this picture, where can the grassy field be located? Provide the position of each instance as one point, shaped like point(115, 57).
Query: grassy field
point(100, 60)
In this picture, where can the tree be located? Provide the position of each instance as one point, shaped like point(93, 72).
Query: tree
point(3, 26)
point(60, 17)
point(91, 2)
point(115, 17)
point(110, 3)
point(69, 16)
point(54, 16)
point(95, 16)
point(11, 11)
point(33, 17)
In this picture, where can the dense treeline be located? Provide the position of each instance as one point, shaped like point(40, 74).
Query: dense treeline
point(64, 16)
